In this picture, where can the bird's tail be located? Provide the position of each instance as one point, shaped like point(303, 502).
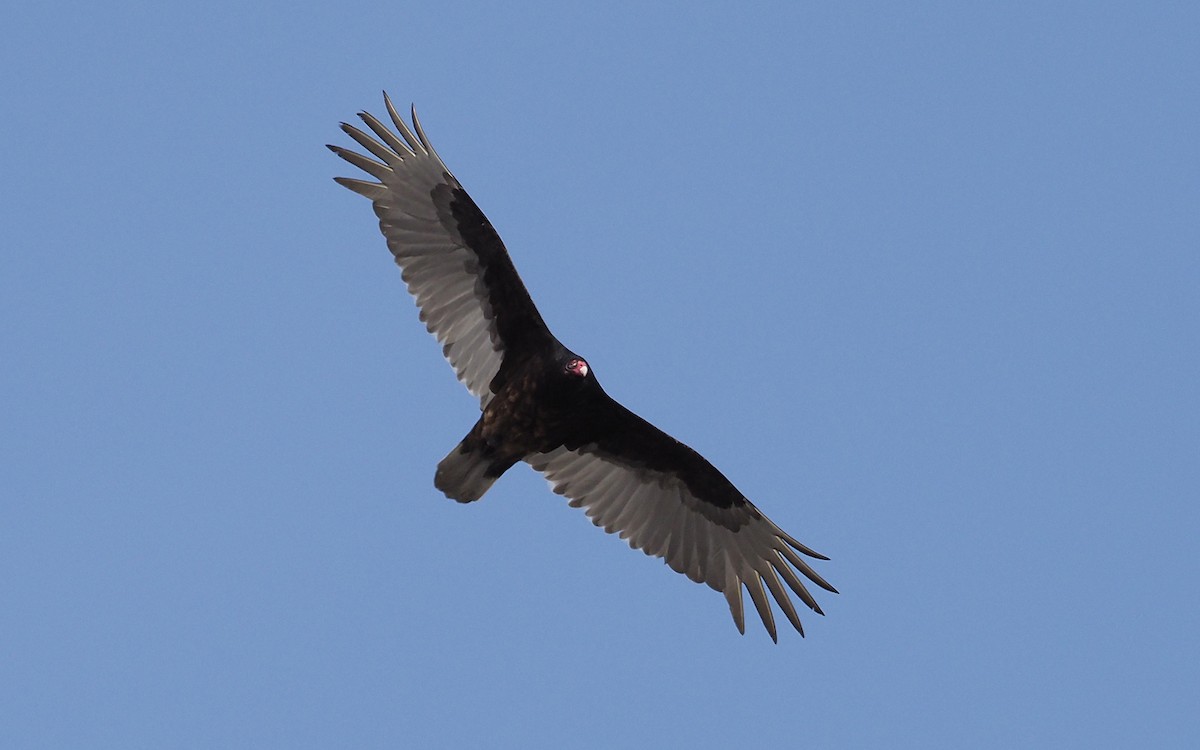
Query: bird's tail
point(469, 470)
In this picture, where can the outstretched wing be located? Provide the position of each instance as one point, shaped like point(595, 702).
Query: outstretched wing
point(451, 258)
point(668, 501)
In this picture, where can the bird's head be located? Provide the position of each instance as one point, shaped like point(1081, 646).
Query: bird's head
point(569, 378)
point(576, 367)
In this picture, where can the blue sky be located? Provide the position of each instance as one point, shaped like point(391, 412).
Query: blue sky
point(923, 279)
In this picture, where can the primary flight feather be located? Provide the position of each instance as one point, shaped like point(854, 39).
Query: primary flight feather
point(541, 402)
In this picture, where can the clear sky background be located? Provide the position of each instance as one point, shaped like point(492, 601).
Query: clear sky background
point(923, 279)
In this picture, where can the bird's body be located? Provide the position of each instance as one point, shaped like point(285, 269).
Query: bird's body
point(532, 412)
point(542, 404)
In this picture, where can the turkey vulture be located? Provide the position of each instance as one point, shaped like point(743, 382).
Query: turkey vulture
point(541, 402)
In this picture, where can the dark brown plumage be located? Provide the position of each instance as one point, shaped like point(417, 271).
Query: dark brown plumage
point(541, 403)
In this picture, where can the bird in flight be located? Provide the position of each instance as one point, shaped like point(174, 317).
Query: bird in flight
point(541, 402)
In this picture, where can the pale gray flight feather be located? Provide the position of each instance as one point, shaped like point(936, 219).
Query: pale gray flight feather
point(656, 513)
